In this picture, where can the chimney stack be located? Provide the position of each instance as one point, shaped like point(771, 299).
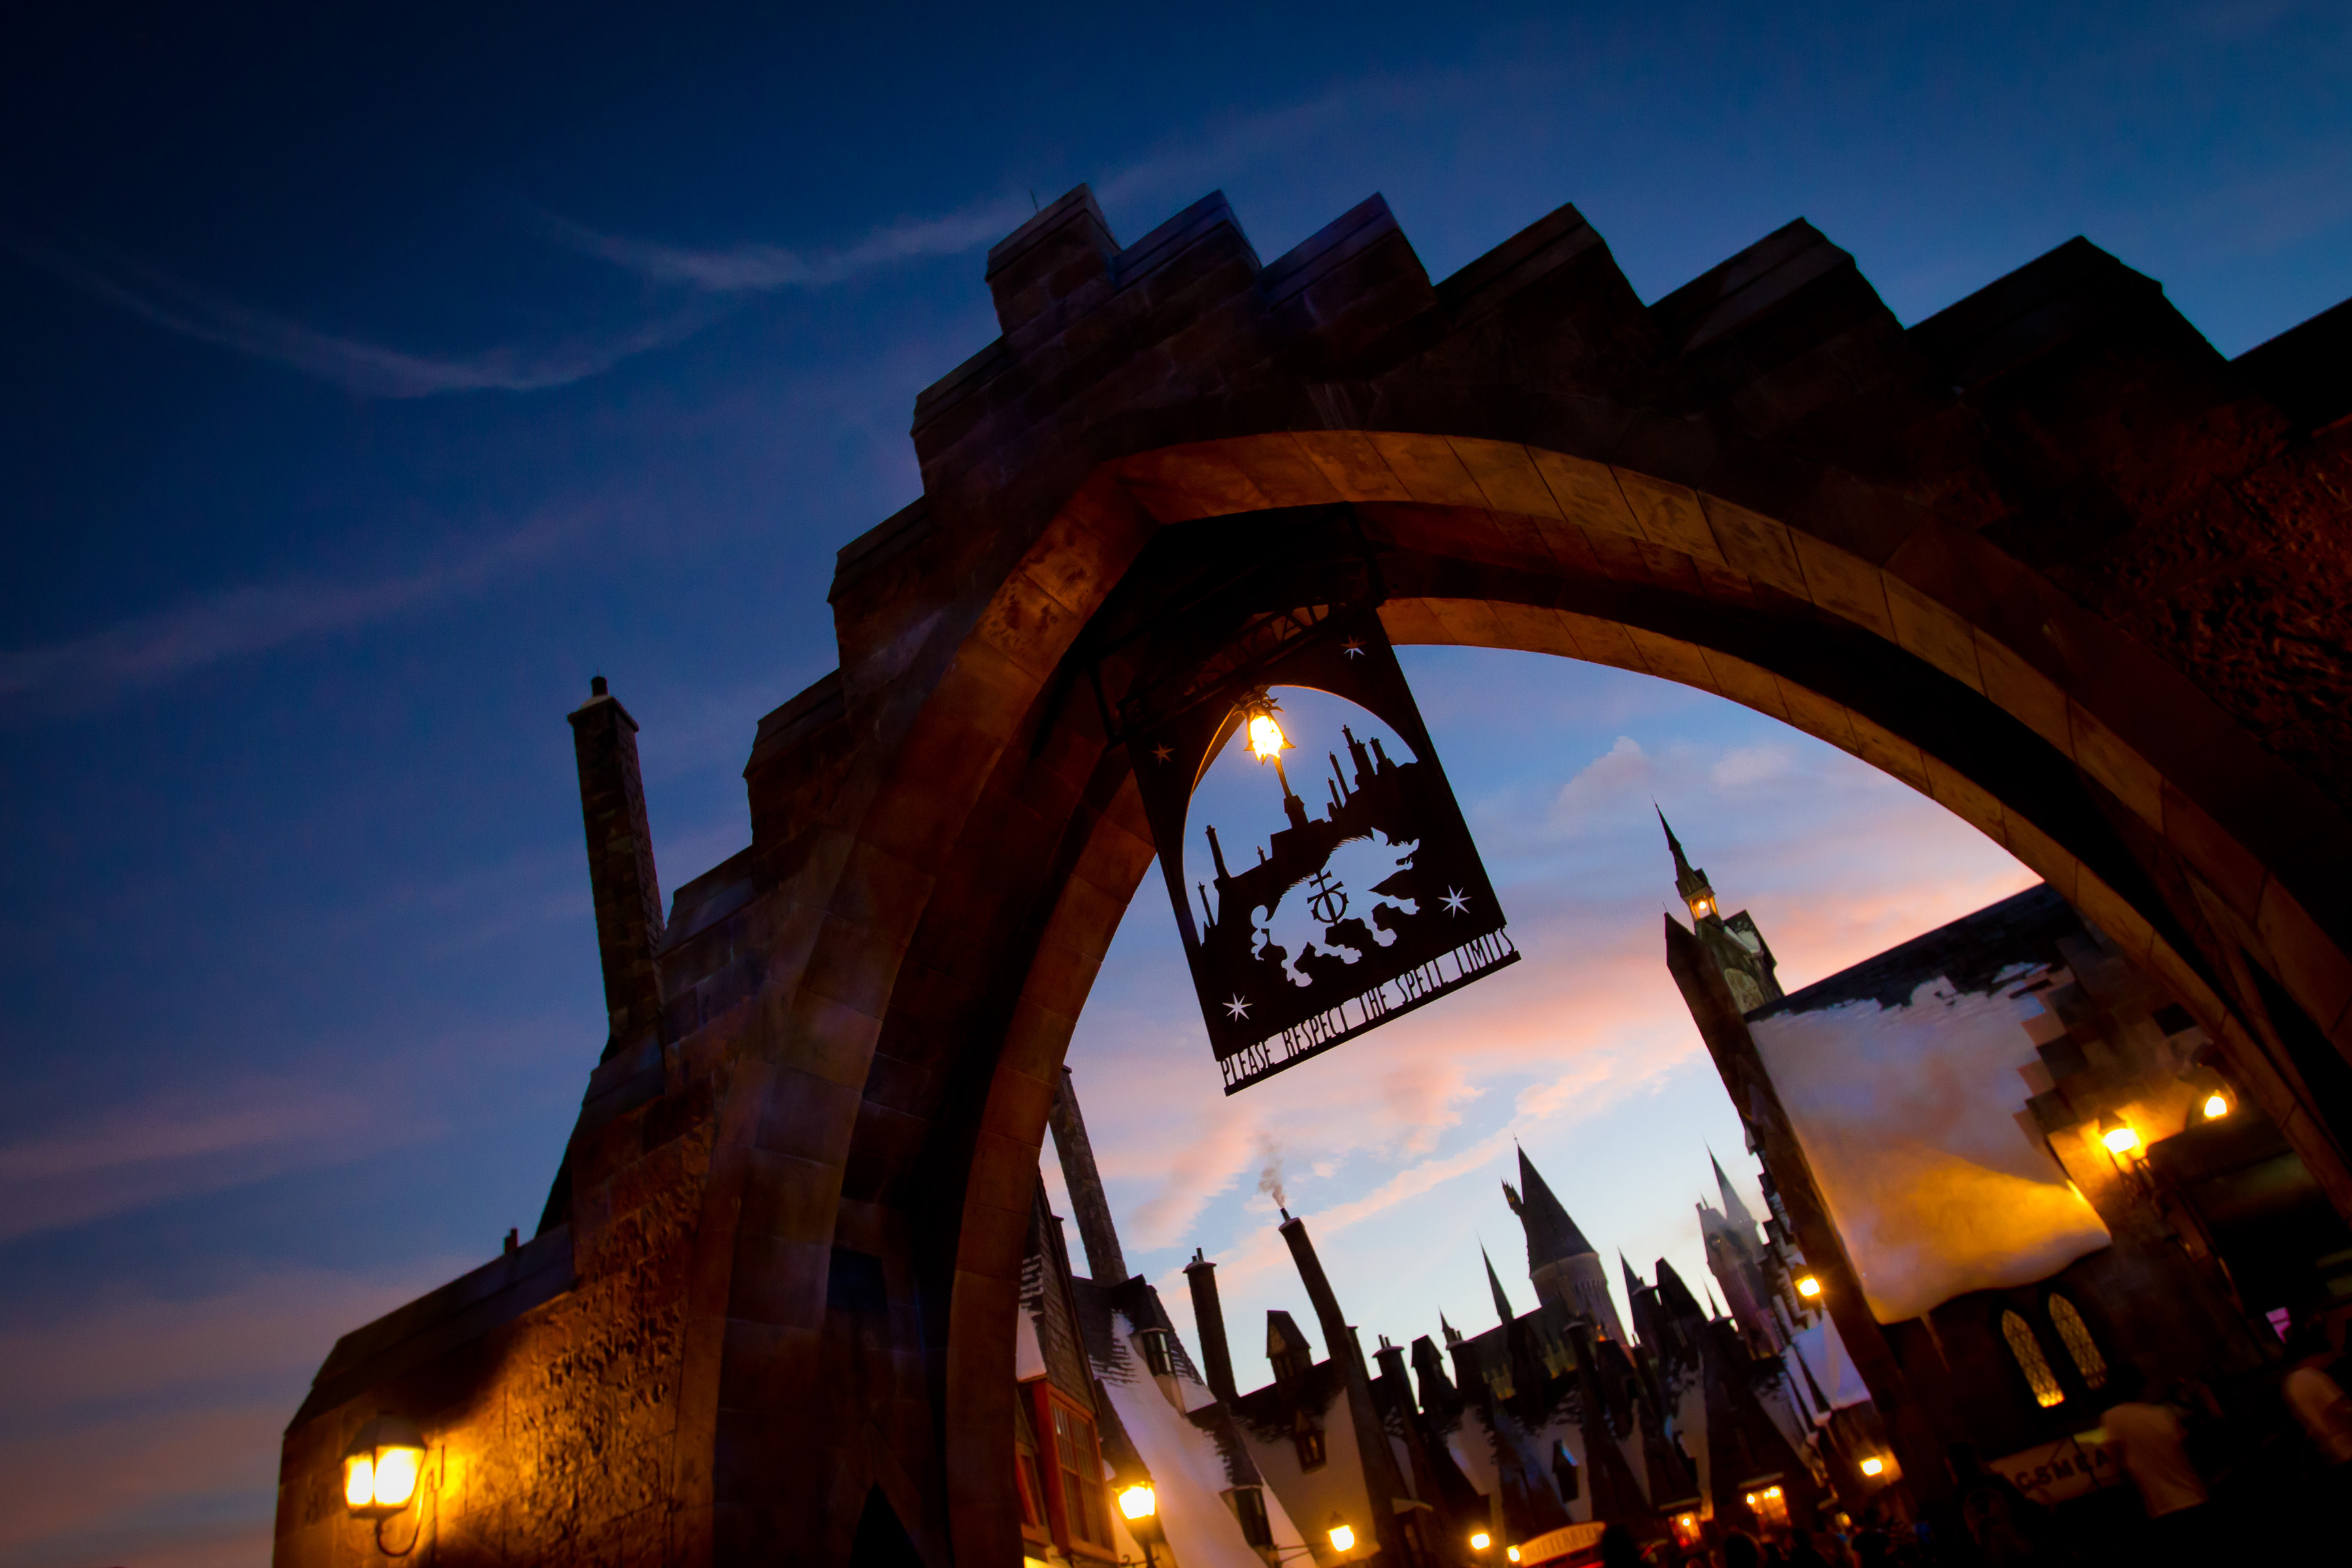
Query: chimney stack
point(1101, 1238)
point(620, 865)
point(1209, 1322)
point(1382, 1480)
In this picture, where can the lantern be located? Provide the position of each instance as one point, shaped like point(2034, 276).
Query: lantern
point(381, 1469)
point(1343, 1539)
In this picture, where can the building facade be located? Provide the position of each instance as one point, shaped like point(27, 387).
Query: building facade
point(2010, 1160)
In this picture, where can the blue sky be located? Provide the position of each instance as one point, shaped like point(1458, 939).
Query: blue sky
point(378, 374)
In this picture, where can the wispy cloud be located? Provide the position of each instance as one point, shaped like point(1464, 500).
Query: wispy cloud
point(152, 649)
point(370, 370)
point(755, 268)
point(141, 1429)
point(171, 1147)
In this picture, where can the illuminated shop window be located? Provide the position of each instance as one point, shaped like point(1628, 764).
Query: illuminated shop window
point(2030, 1361)
point(2075, 1335)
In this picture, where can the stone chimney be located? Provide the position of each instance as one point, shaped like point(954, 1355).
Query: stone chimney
point(620, 865)
point(1209, 1322)
point(1383, 1484)
point(1104, 1262)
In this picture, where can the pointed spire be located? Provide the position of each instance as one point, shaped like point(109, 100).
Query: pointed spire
point(1552, 1236)
point(1502, 1302)
point(1633, 1286)
point(1689, 881)
point(1452, 1335)
point(1712, 1310)
point(1733, 1209)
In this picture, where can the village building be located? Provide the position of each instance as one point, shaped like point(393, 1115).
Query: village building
point(2008, 1159)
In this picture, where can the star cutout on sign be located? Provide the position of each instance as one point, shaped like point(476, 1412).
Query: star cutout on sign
point(1456, 901)
point(1353, 648)
point(1162, 751)
point(1237, 1007)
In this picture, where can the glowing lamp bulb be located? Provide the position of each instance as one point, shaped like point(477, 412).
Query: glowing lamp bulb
point(1138, 1501)
point(358, 1480)
point(1265, 737)
point(1342, 1538)
point(1807, 1286)
point(2216, 1107)
point(1512, 1553)
point(1480, 1540)
point(381, 1467)
point(1873, 1465)
point(2119, 1140)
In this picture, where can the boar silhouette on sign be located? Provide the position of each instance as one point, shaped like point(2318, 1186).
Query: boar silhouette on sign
point(1339, 913)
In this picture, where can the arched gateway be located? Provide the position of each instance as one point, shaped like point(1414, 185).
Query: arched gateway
point(2045, 556)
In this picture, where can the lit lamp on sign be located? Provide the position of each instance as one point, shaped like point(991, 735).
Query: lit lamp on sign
point(1809, 1286)
point(381, 1467)
point(2118, 1135)
point(1480, 1540)
point(1343, 1540)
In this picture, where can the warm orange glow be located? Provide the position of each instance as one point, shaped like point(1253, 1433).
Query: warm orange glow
point(2119, 1140)
point(1807, 1286)
point(1342, 1538)
point(1480, 1540)
point(2216, 1107)
point(1266, 740)
point(1512, 1553)
point(395, 1476)
point(1138, 1501)
point(1702, 908)
point(1873, 1465)
point(358, 1480)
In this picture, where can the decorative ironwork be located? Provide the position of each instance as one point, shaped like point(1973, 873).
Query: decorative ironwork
point(1371, 951)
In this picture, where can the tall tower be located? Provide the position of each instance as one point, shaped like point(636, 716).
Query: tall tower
point(1734, 944)
point(1562, 1264)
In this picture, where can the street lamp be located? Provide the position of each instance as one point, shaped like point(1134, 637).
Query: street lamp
point(1808, 1286)
point(1343, 1540)
point(1480, 1540)
point(2216, 1106)
point(1873, 1465)
point(1138, 1501)
point(381, 1467)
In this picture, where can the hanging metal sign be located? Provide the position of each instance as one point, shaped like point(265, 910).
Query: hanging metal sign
point(1294, 951)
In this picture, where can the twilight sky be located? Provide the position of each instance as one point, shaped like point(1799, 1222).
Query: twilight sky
point(378, 373)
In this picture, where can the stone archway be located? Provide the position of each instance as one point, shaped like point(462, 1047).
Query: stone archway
point(795, 1210)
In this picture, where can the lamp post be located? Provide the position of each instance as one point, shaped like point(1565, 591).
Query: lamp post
point(1343, 1537)
point(1138, 1504)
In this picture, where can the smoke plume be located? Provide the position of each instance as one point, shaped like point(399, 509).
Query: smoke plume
point(1269, 1176)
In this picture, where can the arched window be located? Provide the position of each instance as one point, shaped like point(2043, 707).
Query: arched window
point(2075, 1335)
point(2030, 1361)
